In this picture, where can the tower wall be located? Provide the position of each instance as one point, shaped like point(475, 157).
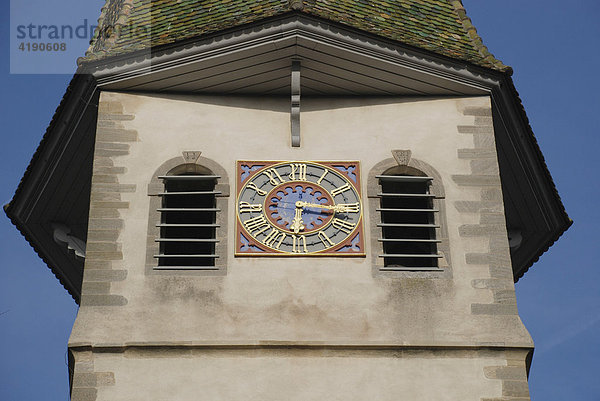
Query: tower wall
point(297, 328)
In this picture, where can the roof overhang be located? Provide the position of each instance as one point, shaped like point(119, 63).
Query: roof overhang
point(55, 189)
point(257, 60)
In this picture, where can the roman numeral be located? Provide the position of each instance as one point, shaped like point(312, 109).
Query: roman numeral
point(299, 244)
point(274, 177)
point(322, 177)
point(246, 207)
point(341, 189)
point(349, 207)
point(258, 224)
point(272, 237)
point(259, 191)
point(299, 168)
point(325, 239)
point(343, 225)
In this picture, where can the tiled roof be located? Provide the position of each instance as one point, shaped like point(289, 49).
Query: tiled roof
point(439, 26)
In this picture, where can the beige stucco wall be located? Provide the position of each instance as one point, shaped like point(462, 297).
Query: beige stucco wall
point(248, 376)
point(335, 300)
point(296, 301)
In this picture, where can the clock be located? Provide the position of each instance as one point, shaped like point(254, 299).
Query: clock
point(299, 208)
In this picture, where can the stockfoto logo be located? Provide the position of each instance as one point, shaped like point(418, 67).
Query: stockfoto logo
point(42, 48)
point(56, 32)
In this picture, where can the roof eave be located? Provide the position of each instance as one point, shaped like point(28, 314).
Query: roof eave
point(559, 232)
point(78, 97)
point(67, 284)
point(557, 213)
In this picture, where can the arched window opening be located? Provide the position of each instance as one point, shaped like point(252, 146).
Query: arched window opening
point(408, 220)
point(188, 219)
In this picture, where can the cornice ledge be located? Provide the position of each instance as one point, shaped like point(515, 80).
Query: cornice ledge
point(306, 345)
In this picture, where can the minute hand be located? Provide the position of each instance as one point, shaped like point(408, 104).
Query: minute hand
point(335, 208)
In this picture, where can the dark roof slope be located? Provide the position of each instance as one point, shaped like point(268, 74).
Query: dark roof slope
point(439, 26)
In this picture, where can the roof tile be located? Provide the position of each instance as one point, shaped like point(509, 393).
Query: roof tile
point(440, 26)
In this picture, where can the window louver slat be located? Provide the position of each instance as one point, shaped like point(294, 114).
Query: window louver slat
point(189, 209)
point(408, 225)
point(405, 195)
point(186, 240)
point(189, 177)
point(416, 255)
point(408, 210)
point(190, 193)
point(186, 268)
point(403, 178)
point(407, 240)
point(186, 256)
point(412, 268)
point(188, 225)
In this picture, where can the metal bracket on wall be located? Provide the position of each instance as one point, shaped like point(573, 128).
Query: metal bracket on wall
point(62, 235)
point(295, 109)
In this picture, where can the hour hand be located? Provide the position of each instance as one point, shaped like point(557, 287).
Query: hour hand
point(297, 223)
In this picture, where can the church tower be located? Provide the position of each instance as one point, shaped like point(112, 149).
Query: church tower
point(291, 200)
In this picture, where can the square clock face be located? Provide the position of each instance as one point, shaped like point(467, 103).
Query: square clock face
point(299, 208)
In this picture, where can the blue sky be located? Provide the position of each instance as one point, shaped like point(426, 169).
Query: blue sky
point(553, 48)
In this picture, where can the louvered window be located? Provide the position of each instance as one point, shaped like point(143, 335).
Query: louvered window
point(188, 222)
point(408, 223)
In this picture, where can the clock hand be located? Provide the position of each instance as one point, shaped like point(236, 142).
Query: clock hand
point(283, 205)
point(301, 204)
point(297, 224)
point(335, 208)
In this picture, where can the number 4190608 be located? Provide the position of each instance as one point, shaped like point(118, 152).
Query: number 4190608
point(42, 47)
